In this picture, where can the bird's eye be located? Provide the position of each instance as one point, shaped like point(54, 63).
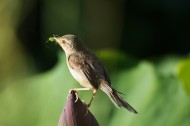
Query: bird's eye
point(63, 41)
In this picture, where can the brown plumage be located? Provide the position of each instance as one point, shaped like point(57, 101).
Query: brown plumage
point(88, 70)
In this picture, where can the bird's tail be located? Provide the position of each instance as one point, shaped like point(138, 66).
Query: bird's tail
point(115, 97)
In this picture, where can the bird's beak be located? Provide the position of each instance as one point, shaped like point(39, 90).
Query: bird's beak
point(53, 39)
point(56, 39)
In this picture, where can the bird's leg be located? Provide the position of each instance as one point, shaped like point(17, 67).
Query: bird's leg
point(93, 95)
point(88, 105)
point(77, 89)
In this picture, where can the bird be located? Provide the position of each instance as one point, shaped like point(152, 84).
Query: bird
point(88, 70)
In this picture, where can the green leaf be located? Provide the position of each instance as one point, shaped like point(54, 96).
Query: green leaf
point(152, 89)
point(183, 73)
point(38, 100)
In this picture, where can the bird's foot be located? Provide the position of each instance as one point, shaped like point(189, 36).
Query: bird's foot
point(76, 94)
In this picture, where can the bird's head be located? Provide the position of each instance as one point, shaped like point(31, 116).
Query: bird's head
point(69, 43)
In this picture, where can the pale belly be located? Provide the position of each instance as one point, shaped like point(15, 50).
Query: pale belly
point(81, 78)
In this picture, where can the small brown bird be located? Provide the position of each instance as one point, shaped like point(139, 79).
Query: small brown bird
point(86, 68)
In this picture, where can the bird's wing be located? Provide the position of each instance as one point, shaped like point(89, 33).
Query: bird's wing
point(99, 68)
point(101, 71)
point(77, 62)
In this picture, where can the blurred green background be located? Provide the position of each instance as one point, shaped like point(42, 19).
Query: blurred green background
point(144, 45)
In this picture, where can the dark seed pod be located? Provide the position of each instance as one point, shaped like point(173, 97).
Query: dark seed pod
point(76, 113)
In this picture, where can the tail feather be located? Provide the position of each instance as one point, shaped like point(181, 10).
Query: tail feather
point(116, 98)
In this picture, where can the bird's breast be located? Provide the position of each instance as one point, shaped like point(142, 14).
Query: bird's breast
point(80, 77)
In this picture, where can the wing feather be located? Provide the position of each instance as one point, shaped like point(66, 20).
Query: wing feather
point(77, 62)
